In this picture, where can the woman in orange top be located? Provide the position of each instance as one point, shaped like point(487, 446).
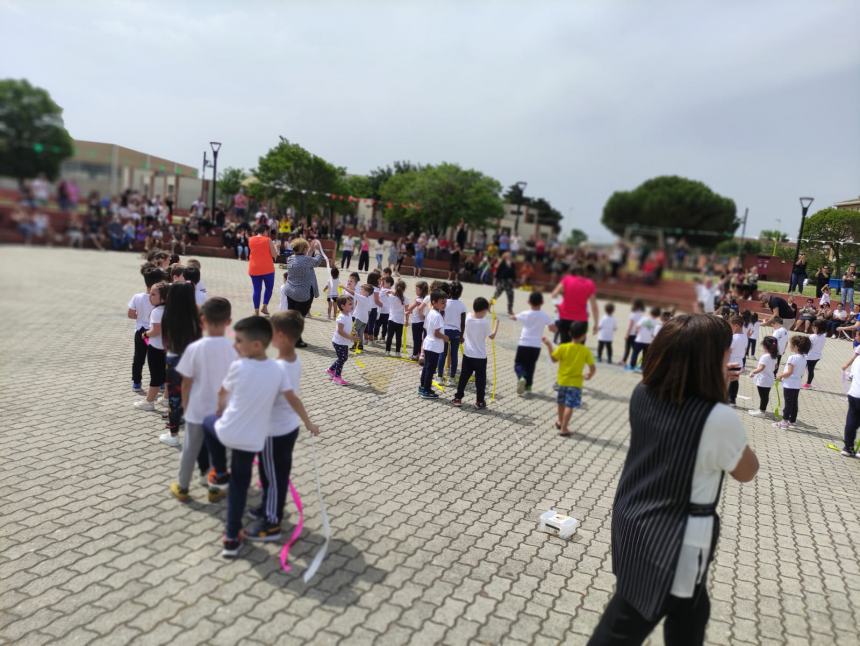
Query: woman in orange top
point(261, 266)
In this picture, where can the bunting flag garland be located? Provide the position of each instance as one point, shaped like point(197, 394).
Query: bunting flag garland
point(353, 199)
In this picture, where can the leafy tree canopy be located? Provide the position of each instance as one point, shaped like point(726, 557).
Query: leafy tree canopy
point(229, 183)
point(33, 138)
point(381, 175)
point(445, 194)
point(576, 238)
point(678, 206)
point(773, 235)
point(830, 230)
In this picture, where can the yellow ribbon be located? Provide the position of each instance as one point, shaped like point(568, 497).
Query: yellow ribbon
point(493, 345)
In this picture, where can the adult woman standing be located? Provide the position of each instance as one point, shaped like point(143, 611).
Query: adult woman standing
point(261, 266)
point(664, 522)
point(848, 279)
point(577, 292)
point(302, 285)
point(505, 277)
point(822, 278)
point(798, 274)
point(364, 254)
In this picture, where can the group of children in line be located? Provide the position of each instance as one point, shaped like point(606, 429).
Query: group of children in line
point(229, 394)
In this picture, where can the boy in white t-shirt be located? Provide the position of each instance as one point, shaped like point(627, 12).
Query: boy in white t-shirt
point(606, 332)
point(203, 366)
point(737, 349)
point(361, 313)
point(433, 344)
point(331, 289)
point(637, 311)
point(455, 325)
point(155, 356)
point(139, 309)
point(245, 401)
point(644, 335)
point(284, 300)
point(276, 458)
point(476, 332)
point(534, 320)
point(791, 378)
point(781, 336)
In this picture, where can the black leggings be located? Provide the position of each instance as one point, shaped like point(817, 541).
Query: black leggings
point(345, 259)
point(140, 349)
point(637, 348)
point(852, 422)
point(600, 347)
point(810, 369)
point(734, 386)
point(789, 410)
point(479, 368)
point(417, 338)
point(764, 397)
point(750, 348)
point(363, 261)
point(155, 359)
point(342, 352)
point(393, 331)
point(524, 363)
point(381, 326)
point(628, 346)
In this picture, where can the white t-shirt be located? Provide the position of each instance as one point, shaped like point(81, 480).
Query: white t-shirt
point(206, 362)
point(285, 420)
point(854, 390)
point(254, 385)
point(333, 284)
point(706, 296)
point(417, 316)
point(155, 319)
point(433, 322)
point(765, 378)
point(348, 243)
point(738, 348)
point(284, 302)
point(824, 300)
point(425, 307)
point(475, 336)
point(346, 321)
point(396, 309)
point(781, 336)
point(754, 330)
point(720, 449)
point(798, 363)
point(645, 329)
point(141, 304)
point(199, 297)
point(383, 296)
point(533, 322)
point(606, 328)
point(815, 352)
point(362, 308)
point(632, 321)
point(454, 310)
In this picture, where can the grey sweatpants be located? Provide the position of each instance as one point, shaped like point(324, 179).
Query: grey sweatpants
point(190, 448)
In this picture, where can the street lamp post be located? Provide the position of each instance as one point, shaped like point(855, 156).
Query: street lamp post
point(805, 203)
point(522, 192)
point(216, 146)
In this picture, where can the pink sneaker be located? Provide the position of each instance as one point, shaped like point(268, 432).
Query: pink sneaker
point(806, 386)
point(331, 374)
point(338, 380)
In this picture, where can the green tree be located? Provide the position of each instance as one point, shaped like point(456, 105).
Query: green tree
point(290, 171)
point(230, 182)
point(33, 138)
point(829, 231)
point(576, 238)
point(381, 175)
point(444, 194)
point(773, 235)
point(676, 205)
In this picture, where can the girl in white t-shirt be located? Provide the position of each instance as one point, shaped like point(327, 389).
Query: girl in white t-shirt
point(636, 314)
point(342, 338)
point(155, 356)
point(791, 377)
point(381, 327)
point(422, 289)
point(284, 303)
point(331, 289)
point(533, 320)
point(606, 332)
point(645, 330)
point(763, 375)
point(396, 299)
point(816, 349)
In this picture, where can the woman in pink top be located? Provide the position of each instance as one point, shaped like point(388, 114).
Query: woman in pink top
point(577, 293)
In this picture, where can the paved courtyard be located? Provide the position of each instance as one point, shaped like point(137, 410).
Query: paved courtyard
point(434, 509)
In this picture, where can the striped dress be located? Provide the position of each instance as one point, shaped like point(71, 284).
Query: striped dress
point(652, 501)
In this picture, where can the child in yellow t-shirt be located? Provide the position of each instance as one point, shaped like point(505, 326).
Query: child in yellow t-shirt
point(571, 359)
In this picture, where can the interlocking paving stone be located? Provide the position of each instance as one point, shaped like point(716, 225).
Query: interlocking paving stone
point(433, 508)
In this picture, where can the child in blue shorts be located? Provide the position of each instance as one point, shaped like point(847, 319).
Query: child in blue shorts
point(571, 359)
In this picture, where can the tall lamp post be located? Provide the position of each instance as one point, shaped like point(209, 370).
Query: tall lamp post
point(216, 146)
point(522, 193)
point(805, 203)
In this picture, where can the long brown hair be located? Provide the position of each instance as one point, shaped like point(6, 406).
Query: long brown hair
point(686, 359)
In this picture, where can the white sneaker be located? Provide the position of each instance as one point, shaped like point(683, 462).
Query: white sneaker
point(521, 385)
point(755, 413)
point(144, 405)
point(162, 401)
point(169, 440)
point(204, 480)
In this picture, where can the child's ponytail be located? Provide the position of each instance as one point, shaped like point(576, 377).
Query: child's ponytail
point(770, 344)
point(400, 290)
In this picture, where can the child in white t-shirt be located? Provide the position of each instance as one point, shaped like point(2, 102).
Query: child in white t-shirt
point(477, 330)
point(816, 349)
point(752, 326)
point(361, 311)
point(665, 317)
point(139, 309)
point(155, 356)
point(606, 333)
point(636, 313)
point(791, 378)
point(331, 289)
point(284, 302)
point(455, 325)
point(433, 344)
point(342, 338)
point(396, 300)
point(763, 376)
point(781, 336)
point(416, 314)
point(736, 354)
point(248, 393)
point(203, 367)
point(381, 328)
point(533, 320)
point(643, 337)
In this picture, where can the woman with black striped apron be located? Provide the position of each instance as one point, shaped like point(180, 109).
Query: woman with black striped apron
point(664, 522)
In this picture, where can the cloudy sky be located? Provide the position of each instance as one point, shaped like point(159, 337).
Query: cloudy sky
point(758, 99)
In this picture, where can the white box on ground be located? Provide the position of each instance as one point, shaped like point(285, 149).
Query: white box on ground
point(557, 524)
